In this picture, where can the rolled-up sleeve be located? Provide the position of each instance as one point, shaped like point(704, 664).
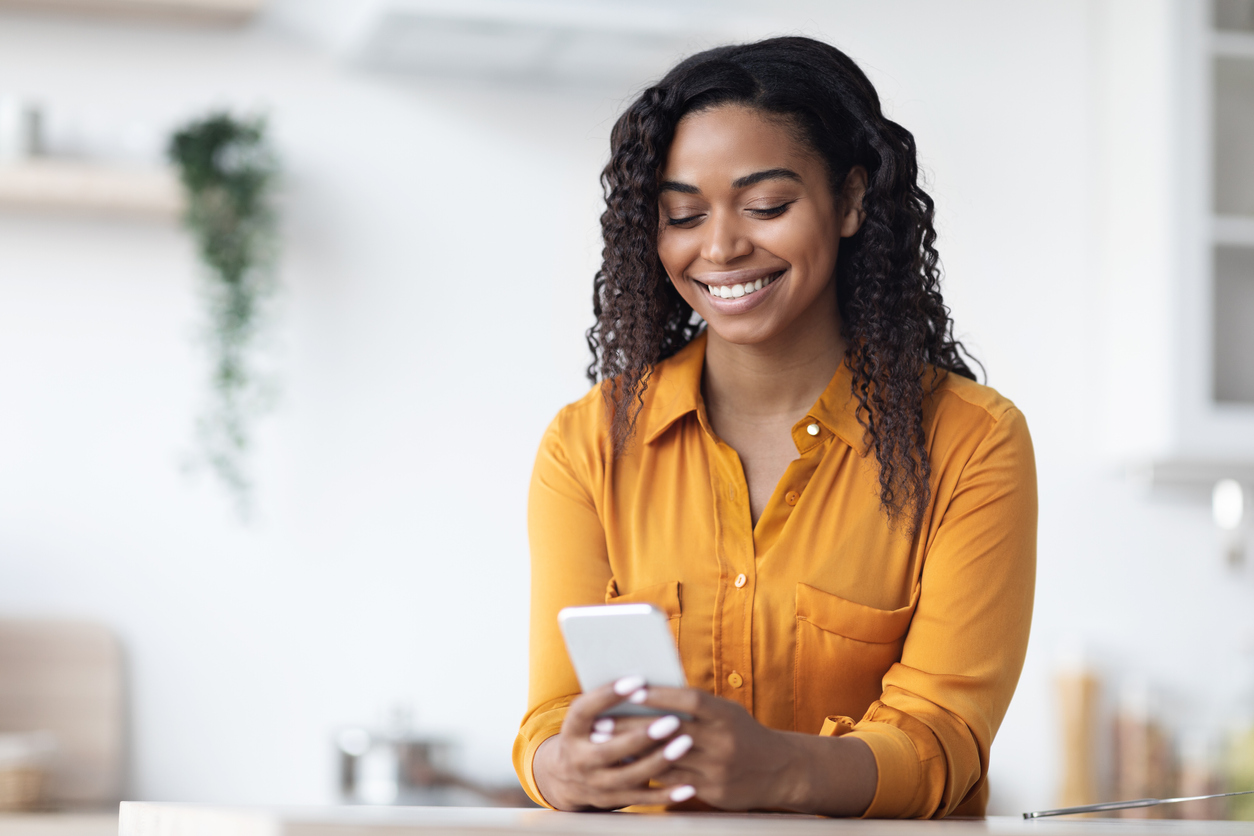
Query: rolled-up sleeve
point(931, 729)
point(569, 567)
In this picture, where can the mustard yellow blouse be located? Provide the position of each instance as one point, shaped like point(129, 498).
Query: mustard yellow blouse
point(821, 618)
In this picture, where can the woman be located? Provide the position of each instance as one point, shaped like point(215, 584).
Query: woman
point(840, 523)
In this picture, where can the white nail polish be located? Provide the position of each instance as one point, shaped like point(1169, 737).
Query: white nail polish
point(663, 727)
point(627, 684)
point(682, 793)
point(677, 748)
point(639, 697)
point(600, 737)
point(605, 725)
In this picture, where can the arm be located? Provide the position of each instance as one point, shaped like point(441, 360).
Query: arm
point(932, 728)
point(569, 567)
point(560, 761)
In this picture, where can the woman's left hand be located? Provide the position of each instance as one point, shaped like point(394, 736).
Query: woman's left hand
point(736, 763)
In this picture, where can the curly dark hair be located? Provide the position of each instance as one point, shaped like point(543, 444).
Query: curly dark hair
point(897, 326)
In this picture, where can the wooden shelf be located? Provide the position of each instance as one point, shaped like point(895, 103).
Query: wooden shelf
point(67, 185)
point(211, 12)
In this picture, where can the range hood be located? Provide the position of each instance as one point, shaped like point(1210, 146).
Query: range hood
point(568, 41)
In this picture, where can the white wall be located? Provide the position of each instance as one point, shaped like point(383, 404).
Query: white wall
point(438, 241)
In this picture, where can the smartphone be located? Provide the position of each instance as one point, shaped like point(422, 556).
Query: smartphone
point(609, 642)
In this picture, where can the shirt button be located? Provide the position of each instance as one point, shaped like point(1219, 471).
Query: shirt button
point(736, 680)
point(740, 580)
point(813, 429)
point(792, 497)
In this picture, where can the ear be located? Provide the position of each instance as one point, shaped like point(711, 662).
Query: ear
point(852, 214)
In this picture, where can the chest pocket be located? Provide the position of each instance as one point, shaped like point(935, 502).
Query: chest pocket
point(843, 651)
point(664, 596)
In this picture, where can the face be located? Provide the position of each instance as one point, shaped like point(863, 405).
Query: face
point(750, 227)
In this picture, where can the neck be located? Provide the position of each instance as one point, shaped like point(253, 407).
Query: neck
point(776, 379)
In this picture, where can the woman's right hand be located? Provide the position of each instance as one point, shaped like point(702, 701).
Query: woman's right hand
point(605, 764)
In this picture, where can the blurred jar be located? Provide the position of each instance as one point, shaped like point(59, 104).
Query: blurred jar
point(1240, 774)
point(26, 761)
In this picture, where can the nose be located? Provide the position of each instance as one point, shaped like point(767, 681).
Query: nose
point(725, 240)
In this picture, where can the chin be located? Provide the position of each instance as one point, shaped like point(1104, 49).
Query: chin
point(743, 333)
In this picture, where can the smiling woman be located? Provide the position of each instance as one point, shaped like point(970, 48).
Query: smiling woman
point(786, 453)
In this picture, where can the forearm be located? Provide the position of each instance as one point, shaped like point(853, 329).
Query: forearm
point(830, 776)
point(542, 769)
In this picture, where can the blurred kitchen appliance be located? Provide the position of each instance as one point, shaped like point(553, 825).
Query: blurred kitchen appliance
point(398, 768)
point(401, 767)
point(64, 679)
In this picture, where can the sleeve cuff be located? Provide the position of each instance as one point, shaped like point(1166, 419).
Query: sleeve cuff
point(525, 746)
point(896, 762)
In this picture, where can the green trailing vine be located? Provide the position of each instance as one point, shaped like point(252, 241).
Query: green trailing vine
point(228, 172)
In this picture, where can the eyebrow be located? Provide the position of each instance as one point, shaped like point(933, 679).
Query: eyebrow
point(740, 183)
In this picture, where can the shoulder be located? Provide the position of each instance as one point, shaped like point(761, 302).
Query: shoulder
point(962, 412)
point(670, 390)
point(578, 428)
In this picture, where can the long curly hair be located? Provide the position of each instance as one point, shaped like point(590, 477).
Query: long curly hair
point(896, 324)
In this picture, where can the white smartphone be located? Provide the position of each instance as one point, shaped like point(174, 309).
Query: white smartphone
point(609, 642)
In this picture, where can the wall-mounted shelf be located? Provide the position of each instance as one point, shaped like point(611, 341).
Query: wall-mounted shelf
point(67, 185)
point(1232, 44)
point(1194, 473)
point(1233, 230)
point(212, 12)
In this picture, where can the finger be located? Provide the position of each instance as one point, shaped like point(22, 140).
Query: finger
point(615, 800)
point(653, 765)
point(622, 724)
point(687, 700)
point(584, 711)
point(609, 750)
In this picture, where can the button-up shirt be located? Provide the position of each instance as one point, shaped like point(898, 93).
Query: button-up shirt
point(822, 617)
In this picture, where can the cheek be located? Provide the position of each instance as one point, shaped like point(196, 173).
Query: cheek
point(672, 250)
point(810, 245)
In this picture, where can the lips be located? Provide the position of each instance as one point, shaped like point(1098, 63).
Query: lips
point(750, 296)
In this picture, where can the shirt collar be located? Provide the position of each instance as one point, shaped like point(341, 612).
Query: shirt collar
point(676, 384)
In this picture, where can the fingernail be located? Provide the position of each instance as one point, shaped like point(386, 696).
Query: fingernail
point(627, 684)
point(677, 748)
point(663, 727)
point(605, 725)
point(600, 737)
point(639, 697)
point(682, 793)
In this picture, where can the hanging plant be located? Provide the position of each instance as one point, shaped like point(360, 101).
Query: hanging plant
point(228, 172)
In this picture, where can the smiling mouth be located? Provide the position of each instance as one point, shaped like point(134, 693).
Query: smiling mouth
point(735, 291)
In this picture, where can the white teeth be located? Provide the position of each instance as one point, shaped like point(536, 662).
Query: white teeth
point(736, 291)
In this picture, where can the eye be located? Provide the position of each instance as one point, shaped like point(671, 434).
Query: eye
point(688, 221)
point(771, 212)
